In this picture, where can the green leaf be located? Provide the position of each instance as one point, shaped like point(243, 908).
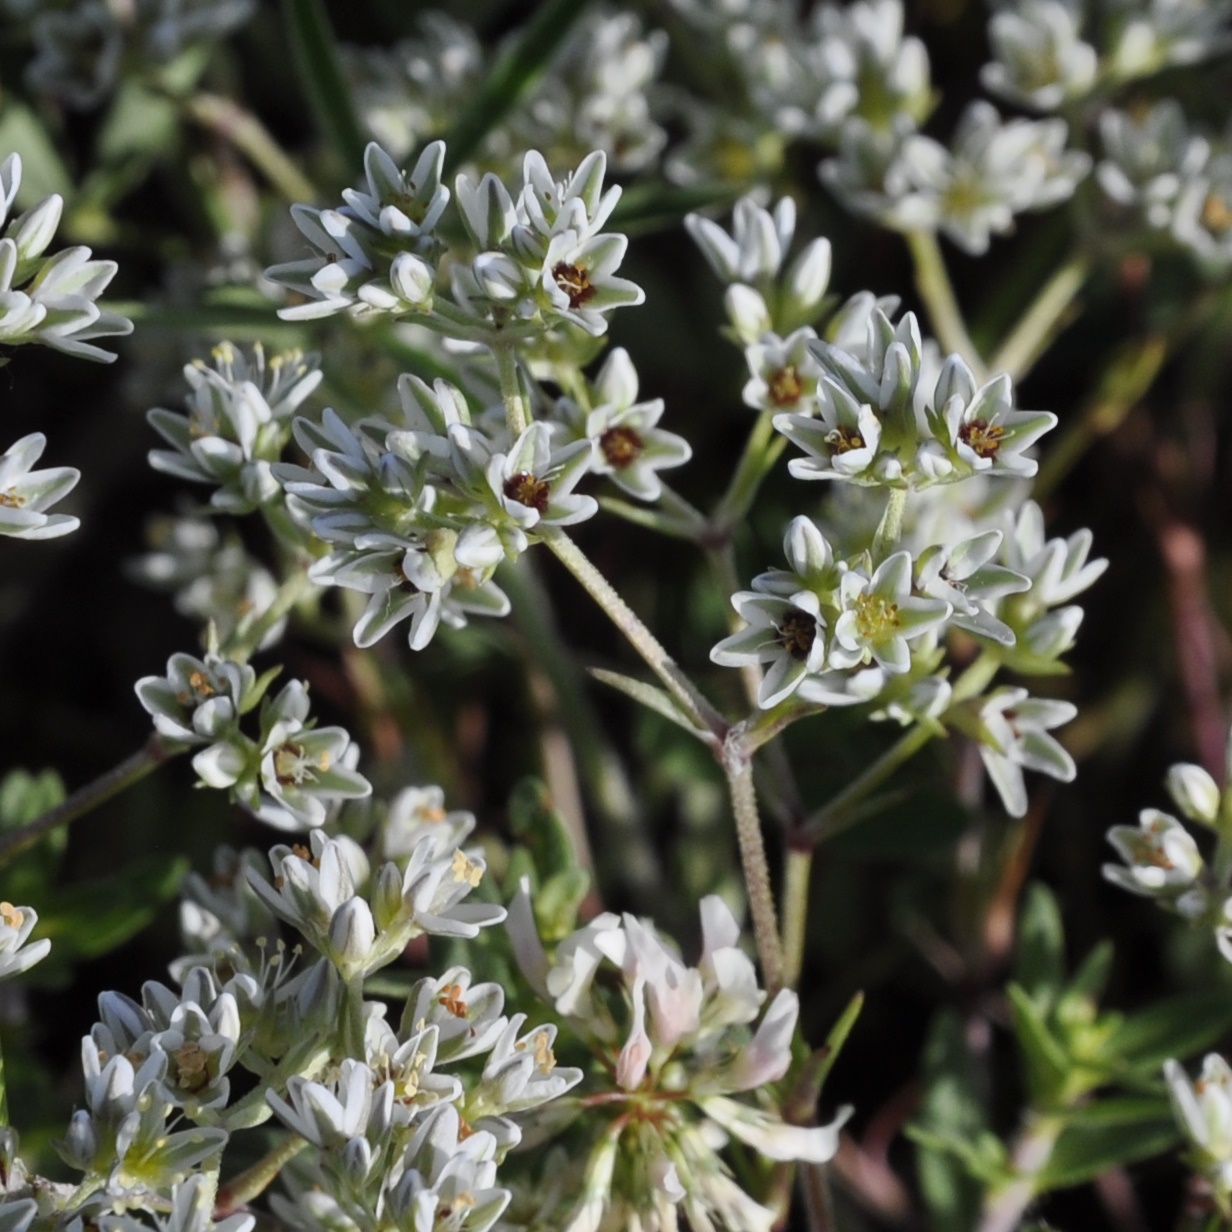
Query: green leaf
point(1178, 1027)
point(1040, 962)
point(316, 57)
point(1122, 1110)
point(1046, 1060)
point(982, 1159)
point(1083, 1152)
point(649, 695)
point(951, 1112)
point(94, 917)
point(25, 796)
point(515, 72)
point(42, 170)
point(536, 823)
point(1091, 978)
point(838, 1037)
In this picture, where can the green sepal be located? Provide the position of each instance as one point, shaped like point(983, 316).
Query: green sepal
point(254, 696)
point(1047, 1062)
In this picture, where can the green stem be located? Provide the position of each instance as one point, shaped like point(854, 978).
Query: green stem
point(243, 643)
point(796, 873)
point(700, 711)
point(252, 1182)
point(516, 411)
point(239, 126)
point(1004, 1208)
point(933, 283)
point(835, 816)
point(1035, 329)
point(756, 869)
point(85, 799)
point(761, 451)
point(890, 528)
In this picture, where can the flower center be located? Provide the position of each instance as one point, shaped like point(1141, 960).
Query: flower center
point(981, 437)
point(545, 1058)
point(454, 1002)
point(191, 1067)
point(529, 491)
point(785, 386)
point(574, 281)
point(844, 440)
point(13, 917)
point(621, 446)
point(465, 869)
point(876, 617)
point(1216, 214)
point(11, 499)
point(292, 766)
point(797, 634)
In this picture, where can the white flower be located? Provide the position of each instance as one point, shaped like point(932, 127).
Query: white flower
point(782, 373)
point(1016, 738)
point(787, 635)
point(26, 494)
point(1041, 60)
point(880, 615)
point(1197, 795)
point(198, 700)
point(16, 952)
point(1161, 861)
point(1203, 1110)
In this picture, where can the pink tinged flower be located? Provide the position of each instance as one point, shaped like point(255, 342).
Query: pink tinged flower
point(635, 1055)
point(674, 991)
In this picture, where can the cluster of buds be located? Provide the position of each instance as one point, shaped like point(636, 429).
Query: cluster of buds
point(238, 423)
point(289, 774)
point(679, 1045)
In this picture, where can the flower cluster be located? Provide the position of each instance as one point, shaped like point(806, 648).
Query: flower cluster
point(542, 258)
point(419, 513)
point(288, 774)
point(237, 424)
point(679, 1045)
point(595, 93)
point(1203, 1109)
point(49, 300)
point(84, 48)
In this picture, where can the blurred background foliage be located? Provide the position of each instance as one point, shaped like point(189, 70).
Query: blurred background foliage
point(918, 905)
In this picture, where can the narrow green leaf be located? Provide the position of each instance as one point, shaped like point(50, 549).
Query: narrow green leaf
point(515, 72)
point(1083, 1152)
point(838, 1037)
point(1178, 1027)
point(1040, 963)
point(1091, 978)
point(982, 1158)
point(1046, 1061)
point(951, 1112)
point(649, 695)
point(316, 57)
point(537, 824)
point(1127, 1110)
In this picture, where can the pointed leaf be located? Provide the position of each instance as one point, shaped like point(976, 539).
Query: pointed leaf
point(648, 695)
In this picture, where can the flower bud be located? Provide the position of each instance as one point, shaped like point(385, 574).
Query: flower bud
point(1195, 793)
point(351, 936)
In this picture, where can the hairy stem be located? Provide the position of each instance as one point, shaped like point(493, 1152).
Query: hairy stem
point(890, 528)
point(756, 870)
point(86, 799)
point(1035, 329)
point(517, 413)
point(252, 1182)
point(933, 283)
point(639, 636)
point(797, 869)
